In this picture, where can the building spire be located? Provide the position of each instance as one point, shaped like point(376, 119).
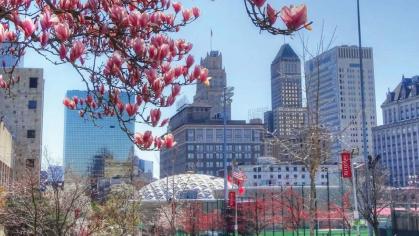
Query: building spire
point(211, 41)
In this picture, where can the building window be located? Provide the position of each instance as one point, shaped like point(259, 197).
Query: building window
point(199, 134)
point(30, 163)
point(33, 82)
point(209, 135)
point(32, 104)
point(30, 133)
point(191, 135)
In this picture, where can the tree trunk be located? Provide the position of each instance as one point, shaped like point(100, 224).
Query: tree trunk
point(376, 230)
point(312, 203)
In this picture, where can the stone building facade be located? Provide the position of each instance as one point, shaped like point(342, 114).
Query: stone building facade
point(22, 110)
point(212, 95)
point(397, 140)
point(6, 155)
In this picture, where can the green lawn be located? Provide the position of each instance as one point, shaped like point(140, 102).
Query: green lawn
point(335, 232)
point(307, 233)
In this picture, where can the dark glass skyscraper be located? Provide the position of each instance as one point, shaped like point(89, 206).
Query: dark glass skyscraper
point(83, 139)
point(286, 79)
point(287, 114)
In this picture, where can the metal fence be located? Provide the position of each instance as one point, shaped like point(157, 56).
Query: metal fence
point(274, 211)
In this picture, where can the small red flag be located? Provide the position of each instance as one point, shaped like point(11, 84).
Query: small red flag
point(346, 164)
point(232, 199)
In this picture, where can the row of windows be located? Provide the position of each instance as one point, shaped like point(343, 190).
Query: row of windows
point(220, 155)
point(287, 168)
point(219, 148)
point(271, 183)
point(241, 135)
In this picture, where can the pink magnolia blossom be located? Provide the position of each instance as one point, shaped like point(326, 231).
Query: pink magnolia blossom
point(62, 31)
point(177, 6)
point(134, 39)
point(44, 39)
point(139, 99)
point(70, 104)
point(175, 90)
point(294, 16)
point(189, 61)
point(77, 51)
point(157, 87)
point(259, 3)
point(158, 142)
point(164, 122)
point(144, 140)
point(187, 14)
point(196, 12)
point(2, 82)
point(131, 109)
point(155, 116)
point(63, 52)
point(3, 33)
point(47, 21)
point(120, 107)
point(169, 141)
point(270, 11)
point(139, 46)
point(28, 27)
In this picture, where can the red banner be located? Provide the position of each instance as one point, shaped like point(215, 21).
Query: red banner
point(346, 164)
point(232, 199)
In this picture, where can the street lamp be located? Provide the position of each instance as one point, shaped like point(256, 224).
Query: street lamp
point(227, 99)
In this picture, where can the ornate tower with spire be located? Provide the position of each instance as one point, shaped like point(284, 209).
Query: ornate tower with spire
point(212, 95)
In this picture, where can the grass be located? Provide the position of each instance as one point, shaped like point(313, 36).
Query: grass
point(334, 232)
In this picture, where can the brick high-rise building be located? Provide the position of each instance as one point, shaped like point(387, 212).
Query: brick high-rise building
point(199, 146)
point(22, 110)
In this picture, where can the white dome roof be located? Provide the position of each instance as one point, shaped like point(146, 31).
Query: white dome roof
point(183, 186)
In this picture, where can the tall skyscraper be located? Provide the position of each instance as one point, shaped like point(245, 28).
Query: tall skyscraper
point(212, 95)
point(286, 79)
point(83, 140)
point(287, 113)
point(397, 139)
point(22, 109)
point(333, 82)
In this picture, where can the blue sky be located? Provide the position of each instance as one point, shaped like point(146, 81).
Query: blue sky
point(389, 26)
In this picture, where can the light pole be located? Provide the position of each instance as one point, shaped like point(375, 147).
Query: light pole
point(355, 152)
point(364, 126)
point(227, 99)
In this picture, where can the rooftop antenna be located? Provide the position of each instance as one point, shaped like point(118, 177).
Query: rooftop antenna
point(211, 41)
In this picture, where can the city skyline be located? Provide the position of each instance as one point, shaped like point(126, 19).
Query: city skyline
point(259, 49)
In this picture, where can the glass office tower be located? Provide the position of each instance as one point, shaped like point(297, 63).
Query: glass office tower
point(83, 139)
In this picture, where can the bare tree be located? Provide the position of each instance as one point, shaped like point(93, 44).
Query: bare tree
point(55, 210)
point(372, 193)
point(122, 212)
